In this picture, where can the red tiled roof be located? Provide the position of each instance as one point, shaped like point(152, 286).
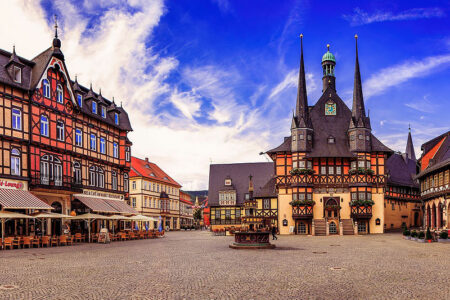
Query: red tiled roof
point(141, 167)
point(21, 199)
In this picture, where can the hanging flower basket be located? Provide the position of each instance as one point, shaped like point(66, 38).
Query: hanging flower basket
point(364, 203)
point(297, 203)
point(361, 171)
point(298, 171)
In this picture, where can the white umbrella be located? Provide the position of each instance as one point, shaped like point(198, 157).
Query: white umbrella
point(8, 215)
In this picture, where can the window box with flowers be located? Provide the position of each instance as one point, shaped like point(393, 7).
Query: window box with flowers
point(364, 203)
point(298, 171)
point(361, 171)
point(297, 203)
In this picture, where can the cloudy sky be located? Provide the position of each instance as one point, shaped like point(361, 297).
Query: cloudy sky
point(215, 80)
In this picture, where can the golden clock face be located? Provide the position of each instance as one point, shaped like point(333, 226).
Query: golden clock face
point(330, 109)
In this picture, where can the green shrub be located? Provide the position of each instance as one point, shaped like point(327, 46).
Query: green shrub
point(414, 233)
point(406, 232)
point(428, 235)
point(421, 235)
point(443, 235)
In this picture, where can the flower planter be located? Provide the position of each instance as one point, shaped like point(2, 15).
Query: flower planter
point(443, 240)
point(421, 241)
point(408, 237)
point(429, 241)
point(413, 239)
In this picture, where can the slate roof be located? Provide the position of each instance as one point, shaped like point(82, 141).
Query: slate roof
point(269, 190)
point(401, 170)
point(145, 168)
point(239, 173)
point(32, 72)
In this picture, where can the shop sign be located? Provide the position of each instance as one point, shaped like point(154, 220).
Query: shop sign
point(101, 194)
point(15, 185)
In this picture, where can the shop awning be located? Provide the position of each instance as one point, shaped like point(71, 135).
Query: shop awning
point(90, 216)
point(13, 215)
point(21, 199)
point(121, 206)
point(97, 204)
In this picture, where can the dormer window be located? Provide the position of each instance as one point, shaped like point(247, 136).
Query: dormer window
point(17, 74)
point(227, 182)
point(80, 100)
point(116, 118)
point(103, 112)
point(94, 107)
point(59, 94)
point(331, 140)
point(46, 88)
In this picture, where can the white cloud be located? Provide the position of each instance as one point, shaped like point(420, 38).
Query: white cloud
point(224, 5)
point(423, 105)
point(397, 74)
point(360, 17)
point(113, 55)
point(291, 81)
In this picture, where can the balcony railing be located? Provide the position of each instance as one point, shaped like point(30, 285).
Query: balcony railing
point(63, 182)
point(361, 212)
point(325, 180)
point(302, 212)
point(266, 213)
point(226, 221)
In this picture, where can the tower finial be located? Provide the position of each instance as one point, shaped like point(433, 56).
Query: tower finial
point(90, 86)
point(409, 127)
point(76, 78)
point(14, 48)
point(328, 47)
point(100, 91)
point(56, 26)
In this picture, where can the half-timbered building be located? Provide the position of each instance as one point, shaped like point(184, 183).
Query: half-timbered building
point(434, 180)
point(72, 142)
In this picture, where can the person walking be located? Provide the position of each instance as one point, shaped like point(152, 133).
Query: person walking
point(274, 232)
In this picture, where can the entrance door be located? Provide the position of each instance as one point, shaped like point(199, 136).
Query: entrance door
point(416, 219)
point(56, 223)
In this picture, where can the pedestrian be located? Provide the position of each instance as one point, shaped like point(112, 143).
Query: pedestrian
point(274, 232)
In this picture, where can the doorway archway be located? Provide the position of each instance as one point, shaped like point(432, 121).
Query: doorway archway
point(56, 225)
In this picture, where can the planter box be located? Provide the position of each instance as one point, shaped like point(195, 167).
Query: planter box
point(443, 240)
point(420, 240)
point(407, 237)
point(413, 239)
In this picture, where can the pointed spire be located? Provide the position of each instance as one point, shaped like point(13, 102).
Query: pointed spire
point(56, 41)
point(358, 110)
point(56, 26)
point(301, 111)
point(409, 147)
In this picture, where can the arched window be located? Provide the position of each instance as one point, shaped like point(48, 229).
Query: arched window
point(59, 94)
point(125, 182)
point(46, 88)
point(114, 180)
point(15, 162)
point(60, 130)
point(96, 176)
point(51, 170)
point(44, 125)
point(77, 172)
point(16, 119)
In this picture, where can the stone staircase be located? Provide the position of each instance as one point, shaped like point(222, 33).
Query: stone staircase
point(347, 225)
point(320, 227)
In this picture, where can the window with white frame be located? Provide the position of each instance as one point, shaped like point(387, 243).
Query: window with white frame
point(102, 145)
point(78, 137)
point(59, 94)
point(115, 150)
point(60, 130)
point(114, 180)
point(77, 172)
point(125, 182)
point(93, 143)
point(17, 74)
point(103, 110)
point(44, 125)
point(96, 177)
point(16, 119)
point(15, 162)
point(127, 153)
point(46, 88)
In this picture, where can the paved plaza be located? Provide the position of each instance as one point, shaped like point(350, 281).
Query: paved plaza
point(197, 265)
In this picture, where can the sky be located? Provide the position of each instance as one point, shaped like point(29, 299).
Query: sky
point(214, 81)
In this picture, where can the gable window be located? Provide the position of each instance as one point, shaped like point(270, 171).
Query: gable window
point(331, 140)
point(60, 131)
point(16, 119)
point(80, 100)
point(46, 88)
point(77, 172)
point(17, 74)
point(103, 112)
point(93, 142)
point(59, 94)
point(78, 137)
point(116, 118)
point(115, 150)
point(125, 182)
point(102, 145)
point(44, 125)
point(94, 107)
point(15, 162)
point(114, 180)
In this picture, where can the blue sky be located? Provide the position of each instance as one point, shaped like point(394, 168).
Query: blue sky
point(215, 81)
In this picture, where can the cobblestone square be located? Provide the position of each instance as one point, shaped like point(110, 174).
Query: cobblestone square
point(197, 265)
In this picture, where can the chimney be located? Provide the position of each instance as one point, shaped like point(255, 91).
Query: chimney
point(146, 159)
